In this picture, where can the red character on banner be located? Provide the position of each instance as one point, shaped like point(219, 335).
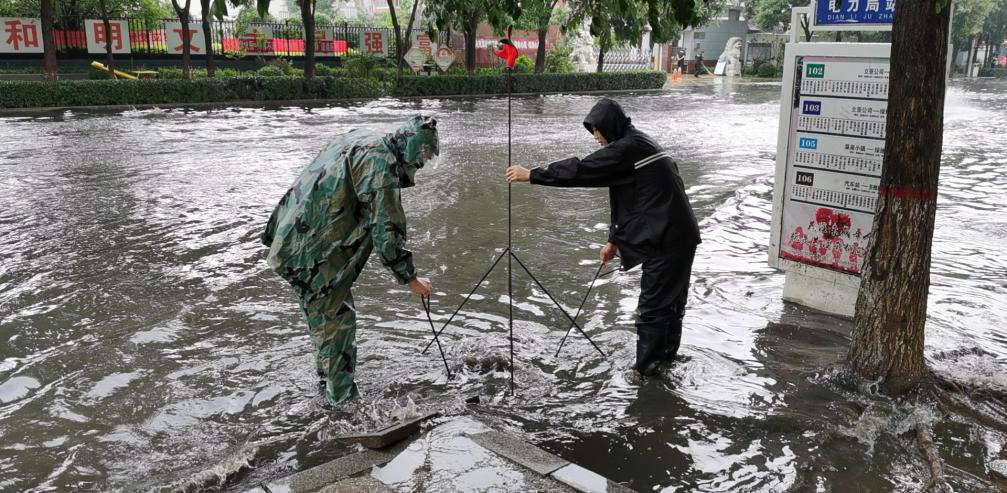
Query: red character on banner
point(323, 44)
point(116, 34)
point(373, 43)
point(192, 34)
point(19, 34)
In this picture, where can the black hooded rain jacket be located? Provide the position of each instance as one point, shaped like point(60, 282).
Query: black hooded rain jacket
point(651, 214)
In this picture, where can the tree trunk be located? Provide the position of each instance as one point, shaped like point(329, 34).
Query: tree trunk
point(470, 43)
point(211, 66)
point(601, 60)
point(973, 53)
point(49, 67)
point(109, 60)
point(806, 25)
point(399, 52)
point(839, 36)
point(308, 19)
point(540, 52)
point(891, 309)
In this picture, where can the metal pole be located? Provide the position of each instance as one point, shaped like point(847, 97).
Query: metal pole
point(510, 279)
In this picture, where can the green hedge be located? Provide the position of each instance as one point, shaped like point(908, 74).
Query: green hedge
point(450, 85)
point(34, 94)
point(1000, 73)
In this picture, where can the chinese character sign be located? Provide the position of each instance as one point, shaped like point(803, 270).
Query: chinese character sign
point(325, 42)
point(257, 38)
point(96, 36)
point(173, 38)
point(20, 35)
point(854, 12)
point(836, 150)
point(374, 43)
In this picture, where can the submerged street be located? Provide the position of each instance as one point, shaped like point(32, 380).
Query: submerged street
point(146, 342)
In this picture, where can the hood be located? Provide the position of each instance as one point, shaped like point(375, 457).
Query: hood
point(408, 143)
point(607, 116)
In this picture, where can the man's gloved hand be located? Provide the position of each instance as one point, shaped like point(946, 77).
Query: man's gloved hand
point(421, 286)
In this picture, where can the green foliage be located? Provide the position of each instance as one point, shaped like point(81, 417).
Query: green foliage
point(34, 94)
point(970, 15)
point(248, 16)
point(767, 70)
point(1000, 73)
point(532, 83)
point(771, 14)
point(524, 65)
point(558, 59)
point(323, 70)
point(269, 71)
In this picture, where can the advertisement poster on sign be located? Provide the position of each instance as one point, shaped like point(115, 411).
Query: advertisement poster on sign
point(833, 173)
point(96, 38)
point(20, 35)
point(374, 43)
point(445, 58)
point(173, 38)
point(415, 58)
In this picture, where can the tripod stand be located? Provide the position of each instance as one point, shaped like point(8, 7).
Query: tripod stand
point(507, 50)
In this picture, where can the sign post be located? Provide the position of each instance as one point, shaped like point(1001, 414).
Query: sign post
point(415, 58)
point(445, 58)
point(830, 152)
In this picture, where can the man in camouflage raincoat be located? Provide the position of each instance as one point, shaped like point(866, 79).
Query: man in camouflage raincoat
point(344, 204)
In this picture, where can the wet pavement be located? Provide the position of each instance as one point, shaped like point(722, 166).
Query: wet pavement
point(146, 343)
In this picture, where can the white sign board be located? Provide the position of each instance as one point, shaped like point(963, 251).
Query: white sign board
point(20, 35)
point(415, 58)
point(173, 38)
point(374, 43)
point(829, 161)
point(445, 58)
point(94, 30)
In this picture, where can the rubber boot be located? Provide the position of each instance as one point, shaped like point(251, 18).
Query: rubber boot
point(650, 347)
point(673, 339)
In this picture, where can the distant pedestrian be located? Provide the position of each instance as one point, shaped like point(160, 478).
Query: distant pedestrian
point(699, 64)
point(681, 62)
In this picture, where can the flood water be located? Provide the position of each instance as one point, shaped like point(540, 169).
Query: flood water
point(146, 344)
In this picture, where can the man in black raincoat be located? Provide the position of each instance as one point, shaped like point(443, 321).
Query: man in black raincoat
point(652, 222)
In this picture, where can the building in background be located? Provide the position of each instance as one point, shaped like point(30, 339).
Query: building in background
point(711, 38)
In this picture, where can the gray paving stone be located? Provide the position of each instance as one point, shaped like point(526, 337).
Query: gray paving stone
point(587, 481)
point(519, 451)
point(319, 477)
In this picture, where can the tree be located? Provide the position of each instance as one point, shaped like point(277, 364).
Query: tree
point(107, 26)
point(402, 43)
point(205, 12)
point(968, 23)
point(771, 15)
point(537, 16)
point(49, 66)
point(614, 22)
point(465, 16)
point(182, 11)
point(891, 308)
point(308, 20)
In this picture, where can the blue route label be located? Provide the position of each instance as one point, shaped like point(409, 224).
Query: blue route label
point(812, 108)
point(852, 12)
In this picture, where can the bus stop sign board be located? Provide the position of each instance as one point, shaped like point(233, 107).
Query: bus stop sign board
point(863, 15)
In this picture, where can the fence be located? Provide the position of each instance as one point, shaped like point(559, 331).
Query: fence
point(284, 39)
point(625, 59)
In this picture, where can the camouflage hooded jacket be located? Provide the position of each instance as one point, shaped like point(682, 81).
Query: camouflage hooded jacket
point(349, 194)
